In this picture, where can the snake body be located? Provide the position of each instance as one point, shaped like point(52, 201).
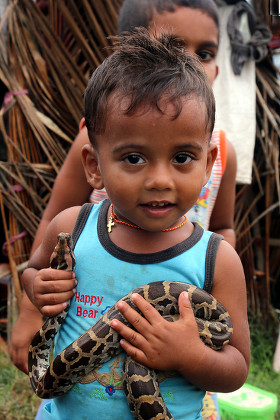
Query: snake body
point(100, 343)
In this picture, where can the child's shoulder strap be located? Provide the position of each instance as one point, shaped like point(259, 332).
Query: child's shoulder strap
point(81, 221)
point(211, 254)
point(223, 150)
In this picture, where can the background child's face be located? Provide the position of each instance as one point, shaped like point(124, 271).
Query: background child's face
point(153, 167)
point(196, 29)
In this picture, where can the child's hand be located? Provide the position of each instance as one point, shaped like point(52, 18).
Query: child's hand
point(52, 289)
point(157, 343)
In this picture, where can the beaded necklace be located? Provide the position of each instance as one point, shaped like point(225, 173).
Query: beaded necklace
point(113, 218)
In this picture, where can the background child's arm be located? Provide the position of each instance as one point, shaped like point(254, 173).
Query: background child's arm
point(162, 345)
point(70, 188)
point(49, 289)
point(222, 218)
point(27, 324)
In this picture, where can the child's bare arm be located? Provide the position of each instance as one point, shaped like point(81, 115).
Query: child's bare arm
point(70, 188)
point(222, 218)
point(47, 288)
point(176, 346)
point(26, 326)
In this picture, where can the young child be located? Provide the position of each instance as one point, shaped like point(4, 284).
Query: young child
point(149, 112)
point(196, 23)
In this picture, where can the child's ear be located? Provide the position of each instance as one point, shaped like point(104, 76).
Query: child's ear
point(211, 157)
point(217, 71)
point(82, 124)
point(91, 167)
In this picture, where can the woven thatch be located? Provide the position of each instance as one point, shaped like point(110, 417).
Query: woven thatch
point(46, 62)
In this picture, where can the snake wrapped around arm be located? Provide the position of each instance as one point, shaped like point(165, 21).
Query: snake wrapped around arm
point(100, 343)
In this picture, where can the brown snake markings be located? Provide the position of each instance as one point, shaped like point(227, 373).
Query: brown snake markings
point(100, 343)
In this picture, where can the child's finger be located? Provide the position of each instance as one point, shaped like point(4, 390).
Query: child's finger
point(140, 323)
point(134, 352)
point(134, 318)
point(133, 342)
point(185, 307)
point(130, 335)
point(52, 299)
point(49, 274)
point(148, 311)
point(57, 286)
point(53, 310)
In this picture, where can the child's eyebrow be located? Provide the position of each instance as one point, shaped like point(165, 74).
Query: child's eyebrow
point(189, 146)
point(210, 44)
point(121, 147)
point(125, 147)
point(207, 44)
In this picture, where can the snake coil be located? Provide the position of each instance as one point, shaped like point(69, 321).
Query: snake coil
point(100, 343)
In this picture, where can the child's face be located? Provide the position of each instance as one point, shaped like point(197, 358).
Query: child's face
point(153, 167)
point(196, 29)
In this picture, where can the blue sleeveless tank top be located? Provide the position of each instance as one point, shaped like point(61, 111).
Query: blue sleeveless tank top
point(106, 273)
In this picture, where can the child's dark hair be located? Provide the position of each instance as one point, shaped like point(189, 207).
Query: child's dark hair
point(144, 69)
point(136, 13)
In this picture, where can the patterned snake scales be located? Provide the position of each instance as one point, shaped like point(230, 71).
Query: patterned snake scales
point(100, 343)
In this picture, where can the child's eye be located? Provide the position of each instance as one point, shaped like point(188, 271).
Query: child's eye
point(182, 158)
point(205, 55)
point(134, 159)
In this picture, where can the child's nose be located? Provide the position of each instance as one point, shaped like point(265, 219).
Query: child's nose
point(159, 177)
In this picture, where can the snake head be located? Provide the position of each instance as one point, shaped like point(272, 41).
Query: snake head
point(62, 257)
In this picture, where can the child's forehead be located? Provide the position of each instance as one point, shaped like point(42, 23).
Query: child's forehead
point(119, 104)
point(186, 22)
point(192, 107)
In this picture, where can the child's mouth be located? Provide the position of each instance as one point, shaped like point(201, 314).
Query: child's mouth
point(157, 208)
point(161, 204)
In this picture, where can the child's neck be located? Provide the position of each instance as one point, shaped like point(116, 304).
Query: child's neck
point(144, 242)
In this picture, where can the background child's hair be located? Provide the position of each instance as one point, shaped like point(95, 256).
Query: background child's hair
point(136, 13)
point(143, 69)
